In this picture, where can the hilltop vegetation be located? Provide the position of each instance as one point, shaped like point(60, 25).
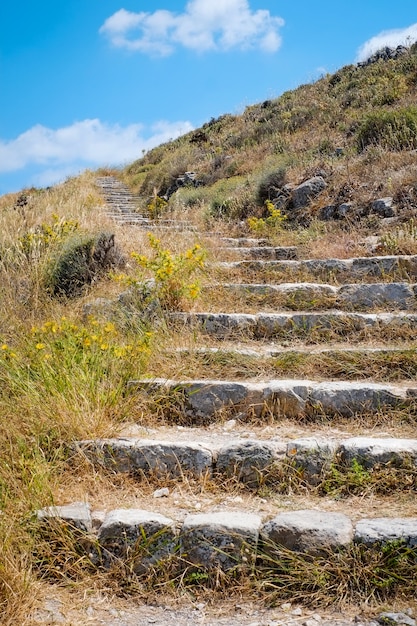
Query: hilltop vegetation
point(63, 372)
point(357, 128)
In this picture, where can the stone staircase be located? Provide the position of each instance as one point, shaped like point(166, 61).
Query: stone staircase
point(302, 451)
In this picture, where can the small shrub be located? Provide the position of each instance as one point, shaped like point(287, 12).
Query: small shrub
point(270, 185)
point(81, 261)
point(273, 221)
point(172, 274)
point(393, 130)
point(156, 207)
point(402, 240)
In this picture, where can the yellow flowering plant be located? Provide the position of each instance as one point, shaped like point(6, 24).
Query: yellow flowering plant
point(264, 225)
point(73, 367)
point(173, 275)
point(36, 241)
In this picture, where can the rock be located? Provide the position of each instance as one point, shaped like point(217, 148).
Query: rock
point(384, 54)
point(344, 210)
point(97, 518)
point(332, 266)
point(310, 531)
point(395, 619)
point(377, 265)
point(141, 455)
point(161, 493)
point(76, 514)
point(222, 540)
point(247, 460)
point(370, 451)
point(384, 529)
point(204, 399)
point(307, 191)
point(383, 207)
point(286, 397)
point(136, 537)
point(312, 455)
point(328, 212)
point(224, 325)
point(349, 398)
point(394, 295)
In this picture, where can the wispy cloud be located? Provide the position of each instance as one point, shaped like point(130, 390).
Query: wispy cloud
point(204, 25)
point(56, 153)
point(392, 38)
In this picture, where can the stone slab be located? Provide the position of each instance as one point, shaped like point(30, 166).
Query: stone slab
point(385, 529)
point(141, 538)
point(308, 531)
point(160, 458)
point(224, 540)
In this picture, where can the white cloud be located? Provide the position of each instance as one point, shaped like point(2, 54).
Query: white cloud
point(83, 144)
point(391, 38)
point(204, 25)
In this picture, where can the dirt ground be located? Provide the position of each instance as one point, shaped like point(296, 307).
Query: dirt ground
point(97, 610)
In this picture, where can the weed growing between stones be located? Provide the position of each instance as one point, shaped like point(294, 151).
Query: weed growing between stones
point(357, 573)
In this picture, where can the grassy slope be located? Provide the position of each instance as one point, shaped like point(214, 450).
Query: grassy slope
point(48, 402)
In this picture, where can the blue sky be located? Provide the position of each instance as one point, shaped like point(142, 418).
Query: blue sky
point(89, 83)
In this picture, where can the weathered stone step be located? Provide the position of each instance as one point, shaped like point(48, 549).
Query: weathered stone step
point(244, 242)
point(321, 296)
point(142, 539)
point(204, 401)
point(339, 362)
point(255, 461)
point(262, 252)
point(361, 268)
point(317, 326)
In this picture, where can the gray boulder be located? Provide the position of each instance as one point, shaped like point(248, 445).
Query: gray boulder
point(395, 619)
point(383, 207)
point(350, 398)
point(311, 531)
point(307, 191)
point(393, 295)
point(313, 455)
point(370, 451)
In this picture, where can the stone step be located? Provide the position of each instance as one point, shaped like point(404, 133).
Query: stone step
point(255, 462)
point(262, 252)
point(141, 539)
point(244, 242)
point(307, 296)
point(317, 326)
point(361, 268)
point(206, 401)
point(338, 362)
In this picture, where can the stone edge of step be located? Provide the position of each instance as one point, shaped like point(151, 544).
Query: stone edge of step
point(222, 539)
point(246, 458)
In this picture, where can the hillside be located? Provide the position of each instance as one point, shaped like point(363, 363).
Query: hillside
point(356, 128)
point(207, 371)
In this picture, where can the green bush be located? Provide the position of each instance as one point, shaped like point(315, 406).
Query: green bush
point(270, 184)
point(82, 259)
point(392, 130)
